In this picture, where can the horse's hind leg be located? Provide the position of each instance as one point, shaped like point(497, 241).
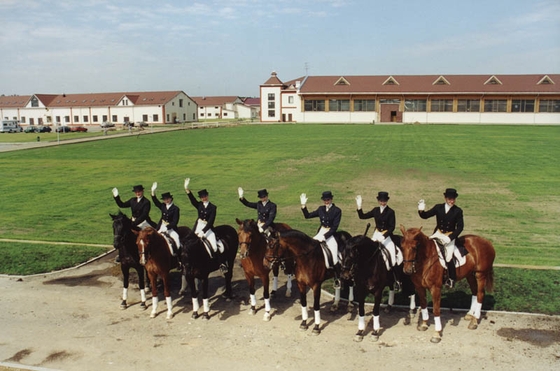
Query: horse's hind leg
point(205, 301)
point(361, 316)
point(275, 272)
point(167, 294)
point(141, 283)
point(266, 282)
point(316, 308)
point(126, 276)
point(303, 300)
point(252, 296)
point(378, 294)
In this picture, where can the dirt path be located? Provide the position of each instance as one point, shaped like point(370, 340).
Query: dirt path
point(72, 321)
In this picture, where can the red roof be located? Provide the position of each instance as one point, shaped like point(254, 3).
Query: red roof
point(15, 101)
point(215, 100)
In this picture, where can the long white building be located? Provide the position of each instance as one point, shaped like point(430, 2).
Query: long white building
point(473, 99)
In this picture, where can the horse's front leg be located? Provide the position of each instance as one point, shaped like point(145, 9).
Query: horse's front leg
point(152, 276)
point(126, 276)
point(275, 272)
point(205, 300)
point(423, 320)
point(194, 295)
point(167, 293)
point(316, 308)
point(252, 297)
point(361, 298)
point(436, 299)
point(378, 294)
point(303, 300)
point(141, 283)
point(266, 282)
point(350, 306)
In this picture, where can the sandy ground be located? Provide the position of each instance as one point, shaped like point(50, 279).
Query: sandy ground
point(72, 321)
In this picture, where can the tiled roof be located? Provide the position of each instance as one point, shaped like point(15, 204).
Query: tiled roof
point(273, 80)
point(215, 100)
point(432, 84)
point(252, 101)
point(8, 101)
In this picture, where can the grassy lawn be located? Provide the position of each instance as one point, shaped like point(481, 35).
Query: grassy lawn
point(507, 178)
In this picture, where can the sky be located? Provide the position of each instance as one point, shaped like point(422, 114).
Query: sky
point(219, 47)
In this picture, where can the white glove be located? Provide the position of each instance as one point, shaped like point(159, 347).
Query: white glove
point(115, 192)
point(200, 234)
point(240, 192)
point(303, 199)
point(187, 181)
point(260, 229)
point(421, 205)
point(359, 202)
point(154, 187)
point(445, 239)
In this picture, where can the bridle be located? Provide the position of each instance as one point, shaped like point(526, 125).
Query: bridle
point(353, 267)
point(413, 261)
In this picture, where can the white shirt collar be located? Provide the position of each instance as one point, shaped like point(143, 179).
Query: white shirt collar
point(206, 203)
point(447, 207)
point(169, 205)
point(381, 208)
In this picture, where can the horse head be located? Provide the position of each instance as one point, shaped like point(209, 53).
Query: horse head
point(410, 242)
point(247, 232)
point(144, 238)
point(357, 254)
point(121, 227)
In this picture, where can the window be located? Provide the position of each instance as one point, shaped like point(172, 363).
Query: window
point(67, 119)
point(40, 121)
point(549, 105)
point(290, 99)
point(442, 105)
point(202, 115)
point(271, 113)
point(76, 118)
point(104, 118)
point(339, 105)
point(85, 118)
point(389, 101)
point(31, 121)
point(314, 105)
point(209, 114)
point(225, 114)
point(270, 96)
point(125, 102)
point(415, 105)
point(271, 105)
point(361, 105)
point(34, 102)
point(523, 105)
point(23, 119)
point(94, 118)
point(145, 118)
point(468, 105)
point(58, 120)
point(114, 118)
point(155, 118)
point(180, 103)
point(495, 105)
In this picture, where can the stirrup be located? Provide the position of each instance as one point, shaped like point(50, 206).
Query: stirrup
point(224, 268)
point(449, 283)
point(397, 286)
point(336, 283)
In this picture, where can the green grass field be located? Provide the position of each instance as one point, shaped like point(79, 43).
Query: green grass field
point(507, 178)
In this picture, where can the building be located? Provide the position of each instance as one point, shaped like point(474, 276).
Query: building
point(227, 107)
point(160, 107)
point(473, 99)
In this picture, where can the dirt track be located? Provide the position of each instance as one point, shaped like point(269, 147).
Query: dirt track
point(72, 321)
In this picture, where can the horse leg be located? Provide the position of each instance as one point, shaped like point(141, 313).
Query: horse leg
point(316, 308)
point(289, 285)
point(126, 275)
point(350, 306)
point(378, 294)
point(205, 301)
point(303, 300)
point(194, 295)
point(361, 295)
point(228, 293)
point(436, 299)
point(471, 279)
point(252, 297)
point(184, 284)
point(411, 311)
point(167, 293)
point(423, 320)
point(275, 271)
point(153, 281)
point(334, 306)
point(390, 301)
point(266, 282)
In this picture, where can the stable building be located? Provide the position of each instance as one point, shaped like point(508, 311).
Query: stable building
point(424, 99)
point(227, 107)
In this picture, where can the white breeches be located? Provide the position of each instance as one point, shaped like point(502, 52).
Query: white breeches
point(331, 243)
point(172, 233)
point(210, 236)
point(448, 247)
point(391, 248)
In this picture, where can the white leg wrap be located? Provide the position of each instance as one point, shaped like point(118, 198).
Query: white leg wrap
point(336, 296)
point(275, 283)
point(143, 295)
point(304, 315)
point(317, 317)
point(351, 293)
point(289, 283)
point(267, 305)
point(169, 303)
point(253, 300)
point(376, 325)
point(124, 294)
point(473, 305)
point(154, 304)
point(412, 301)
point(195, 304)
point(391, 300)
point(478, 310)
point(361, 323)
point(425, 315)
point(206, 305)
point(437, 323)
point(183, 284)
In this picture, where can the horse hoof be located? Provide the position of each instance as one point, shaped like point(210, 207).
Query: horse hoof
point(374, 336)
point(334, 307)
point(273, 294)
point(473, 325)
point(169, 316)
point(266, 316)
point(153, 315)
point(407, 321)
point(143, 305)
point(194, 315)
point(359, 336)
point(252, 311)
point(288, 293)
point(422, 327)
point(123, 304)
point(350, 307)
point(435, 339)
point(388, 309)
point(468, 317)
point(205, 316)
point(303, 326)
point(316, 330)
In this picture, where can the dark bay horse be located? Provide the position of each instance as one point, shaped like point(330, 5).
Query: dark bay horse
point(198, 264)
point(252, 249)
point(156, 256)
point(362, 262)
point(310, 268)
point(422, 263)
point(124, 240)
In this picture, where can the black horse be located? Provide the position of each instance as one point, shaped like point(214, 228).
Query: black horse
point(362, 261)
point(198, 264)
point(124, 240)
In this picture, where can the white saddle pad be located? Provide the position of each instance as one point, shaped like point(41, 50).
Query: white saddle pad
point(459, 259)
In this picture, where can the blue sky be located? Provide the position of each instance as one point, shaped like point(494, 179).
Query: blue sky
point(219, 47)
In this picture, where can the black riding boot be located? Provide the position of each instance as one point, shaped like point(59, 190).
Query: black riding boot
point(451, 274)
point(397, 286)
point(336, 283)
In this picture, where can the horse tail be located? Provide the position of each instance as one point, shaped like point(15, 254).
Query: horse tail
point(490, 281)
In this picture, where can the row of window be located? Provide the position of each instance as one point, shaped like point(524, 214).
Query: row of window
point(85, 119)
point(209, 114)
point(436, 105)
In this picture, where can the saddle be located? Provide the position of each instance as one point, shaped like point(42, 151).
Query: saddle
point(173, 248)
point(328, 255)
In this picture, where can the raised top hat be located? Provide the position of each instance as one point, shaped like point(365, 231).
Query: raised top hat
point(202, 193)
point(327, 195)
point(383, 196)
point(166, 195)
point(137, 188)
point(451, 193)
point(262, 193)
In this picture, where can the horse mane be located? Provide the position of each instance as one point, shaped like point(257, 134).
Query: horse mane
point(294, 233)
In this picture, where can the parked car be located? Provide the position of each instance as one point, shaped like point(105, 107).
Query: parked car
point(107, 124)
point(142, 124)
point(78, 128)
point(31, 129)
point(63, 129)
point(43, 129)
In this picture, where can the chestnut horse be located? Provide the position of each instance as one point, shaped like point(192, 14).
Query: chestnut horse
point(310, 268)
point(252, 249)
point(197, 263)
point(124, 241)
point(156, 256)
point(362, 262)
point(421, 261)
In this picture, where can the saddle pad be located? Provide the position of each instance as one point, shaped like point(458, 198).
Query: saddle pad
point(458, 258)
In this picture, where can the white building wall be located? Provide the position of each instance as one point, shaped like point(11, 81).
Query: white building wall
point(265, 91)
point(481, 118)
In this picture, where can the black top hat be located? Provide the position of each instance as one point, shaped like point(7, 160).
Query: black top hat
point(451, 193)
point(262, 193)
point(202, 193)
point(137, 188)
point(166, 195)
point(383, 196)
point(327, 195)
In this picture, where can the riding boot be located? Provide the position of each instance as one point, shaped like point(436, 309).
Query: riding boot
point(336, 283)
point(223, 263)
point(397, 286)
point(451, 274)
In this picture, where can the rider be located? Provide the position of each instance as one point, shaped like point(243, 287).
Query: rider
point(169, 215)
point(266, 210)
point(139, 205)
point(204, 225)
point(449, 224)
point(384, 218)
point(329, 215)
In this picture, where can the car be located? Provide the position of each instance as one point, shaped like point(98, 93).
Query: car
point(142, 124)
point(31, 129)
point(43, 129)
point(78, 128)
point(107, 124)
point(63, 129)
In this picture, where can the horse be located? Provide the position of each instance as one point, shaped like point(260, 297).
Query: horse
point(156, 256)
point(310, 267)
point(252, 249)
point(124, 241)
point(421, 262)
point(362, 262)
point(198, 264)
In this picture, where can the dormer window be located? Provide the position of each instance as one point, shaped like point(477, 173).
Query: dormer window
point(342, 81)
point(493, 80)
point(390, 81)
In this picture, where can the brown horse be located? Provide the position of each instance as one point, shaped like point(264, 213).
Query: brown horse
point(252, 249)
point(421, 261)
point(156, 256)
point(310, 268)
